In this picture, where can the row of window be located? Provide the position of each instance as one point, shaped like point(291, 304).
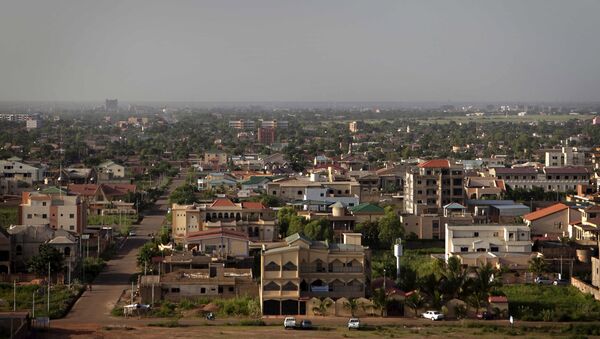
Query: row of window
point(45, 216)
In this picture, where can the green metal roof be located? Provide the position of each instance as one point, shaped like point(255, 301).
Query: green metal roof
point(366, 208)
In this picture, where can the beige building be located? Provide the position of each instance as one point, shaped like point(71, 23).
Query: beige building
point(346, 192)
point(14, 169)
point(486, 243)
point(431, 226)
point(109, 170)
point(484, 188)
point(566, 156)
point(431, 185)
point(216, 282)
point(552, 221)
point(216, 158)
point(251, 218)
point(60, 211)
point(300, 269)
point(218, 243)
point(550, 179)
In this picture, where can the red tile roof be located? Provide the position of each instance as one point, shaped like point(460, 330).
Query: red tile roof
point(566, 170)
point(435, 163)
point(253, 205)
point(545, 212)
point(497, 299)
point(223, 203)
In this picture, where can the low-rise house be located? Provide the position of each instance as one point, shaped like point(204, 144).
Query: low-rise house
point(104, 199)
point(15, 170)
point(484, 188)
point(25, 241)
point(298, 190)
point(109, 170)
point(496, 211)
point(77, 176)
point(430, 225)
point(218, 243)
point(588, 228)
point(366, 212)
point(552, 221)
point(299, 269)
point(215, 281)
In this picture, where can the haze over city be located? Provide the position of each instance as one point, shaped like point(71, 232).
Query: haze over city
point(299, 51)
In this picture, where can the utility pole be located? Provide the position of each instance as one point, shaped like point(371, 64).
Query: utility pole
point(132, 292)
point(153, 294)
point(14, 295)
point(48, 306)
point(33, 306)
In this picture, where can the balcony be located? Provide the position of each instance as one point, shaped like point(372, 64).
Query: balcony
point(336, 269)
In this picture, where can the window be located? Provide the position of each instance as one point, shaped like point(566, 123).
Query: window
point(44, 216)
point(175, 290)
point(202, 290)
point(19, 250)
point(272, 267)
point(43, 203)
point(272, 286)
point(72, 216)
point(464, 249)
point(475, 234)
point(494, 249)
point(290, 266)
point(28, 216)
point(495, 234)
point(274, 192)
point(299, 192)
point(71, 227)
point(230, 288)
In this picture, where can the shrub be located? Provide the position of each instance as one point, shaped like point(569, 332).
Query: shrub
point(252, 322)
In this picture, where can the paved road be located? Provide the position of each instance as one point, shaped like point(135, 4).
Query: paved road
point(94, 306)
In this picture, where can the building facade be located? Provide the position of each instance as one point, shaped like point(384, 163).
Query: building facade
point(300, 269)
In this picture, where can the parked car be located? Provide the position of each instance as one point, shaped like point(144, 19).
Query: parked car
point(353, 324)
point(433, 315)
point(485, 315)
point(306, 325)
point(132, 233)
point(543, 281)
point(561, 282)
point(289, 322)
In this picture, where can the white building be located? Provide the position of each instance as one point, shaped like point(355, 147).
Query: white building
point(487, 238)
point(566, 156)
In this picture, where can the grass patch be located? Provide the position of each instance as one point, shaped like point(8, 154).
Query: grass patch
point(8, 216)
point(550, 303)
point(61, 299)
point(252, 322)
point(117, 311)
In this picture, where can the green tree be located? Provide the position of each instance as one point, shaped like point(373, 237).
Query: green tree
point(415, 301)
point(380, 300)
point(390, 228)
point(147, 252)
point(38, 264)
point(318, 230)
point(482, 284)
point(284, 215)
point(538, 265)
point(183, 195)
point(453, 279)
point(370, 234)
point(296, 225)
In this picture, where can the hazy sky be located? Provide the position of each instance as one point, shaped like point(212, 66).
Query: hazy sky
point(298, 50)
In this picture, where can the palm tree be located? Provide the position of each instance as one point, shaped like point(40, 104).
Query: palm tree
point(321, 308)
point(538, 265)
point(415, 301)
point(482, 284)
point(453, 279)
point(352, 305)
point(380, 300)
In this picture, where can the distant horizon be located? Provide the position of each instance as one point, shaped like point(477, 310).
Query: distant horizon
point(278, 51)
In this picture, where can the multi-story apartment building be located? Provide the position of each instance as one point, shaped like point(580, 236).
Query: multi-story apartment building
point(274, 124)
point(431, 226)
point(251, 218)
point(242, 124)
point(14, 169)
point(266, 135)
point(60, 211)
point(475, 244)
point(484, 188)
point(299, 269)
point(431, 185)
point(109, 169)
point(566, 156)
point(550, 179)
point(215, 158)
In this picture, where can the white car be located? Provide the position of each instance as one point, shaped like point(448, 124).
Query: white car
point(289, 322)
point(353, 324)
point(433, 315)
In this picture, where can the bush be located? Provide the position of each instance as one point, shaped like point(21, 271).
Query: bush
point(252, 322)
point(117, 312)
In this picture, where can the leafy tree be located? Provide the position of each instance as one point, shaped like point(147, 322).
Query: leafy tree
point(390, 228)
point(482, 284)
point(318, 230)
point(147, 251)
point(380, 300)
point(38, 264)
point(296, 225)
point(454, 277)
point(183, 195)
point(415, 301)
point(284, 216)
point(538, 265)
point(370, 234)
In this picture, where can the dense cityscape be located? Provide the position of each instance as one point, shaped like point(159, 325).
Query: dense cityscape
point(321, 171)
